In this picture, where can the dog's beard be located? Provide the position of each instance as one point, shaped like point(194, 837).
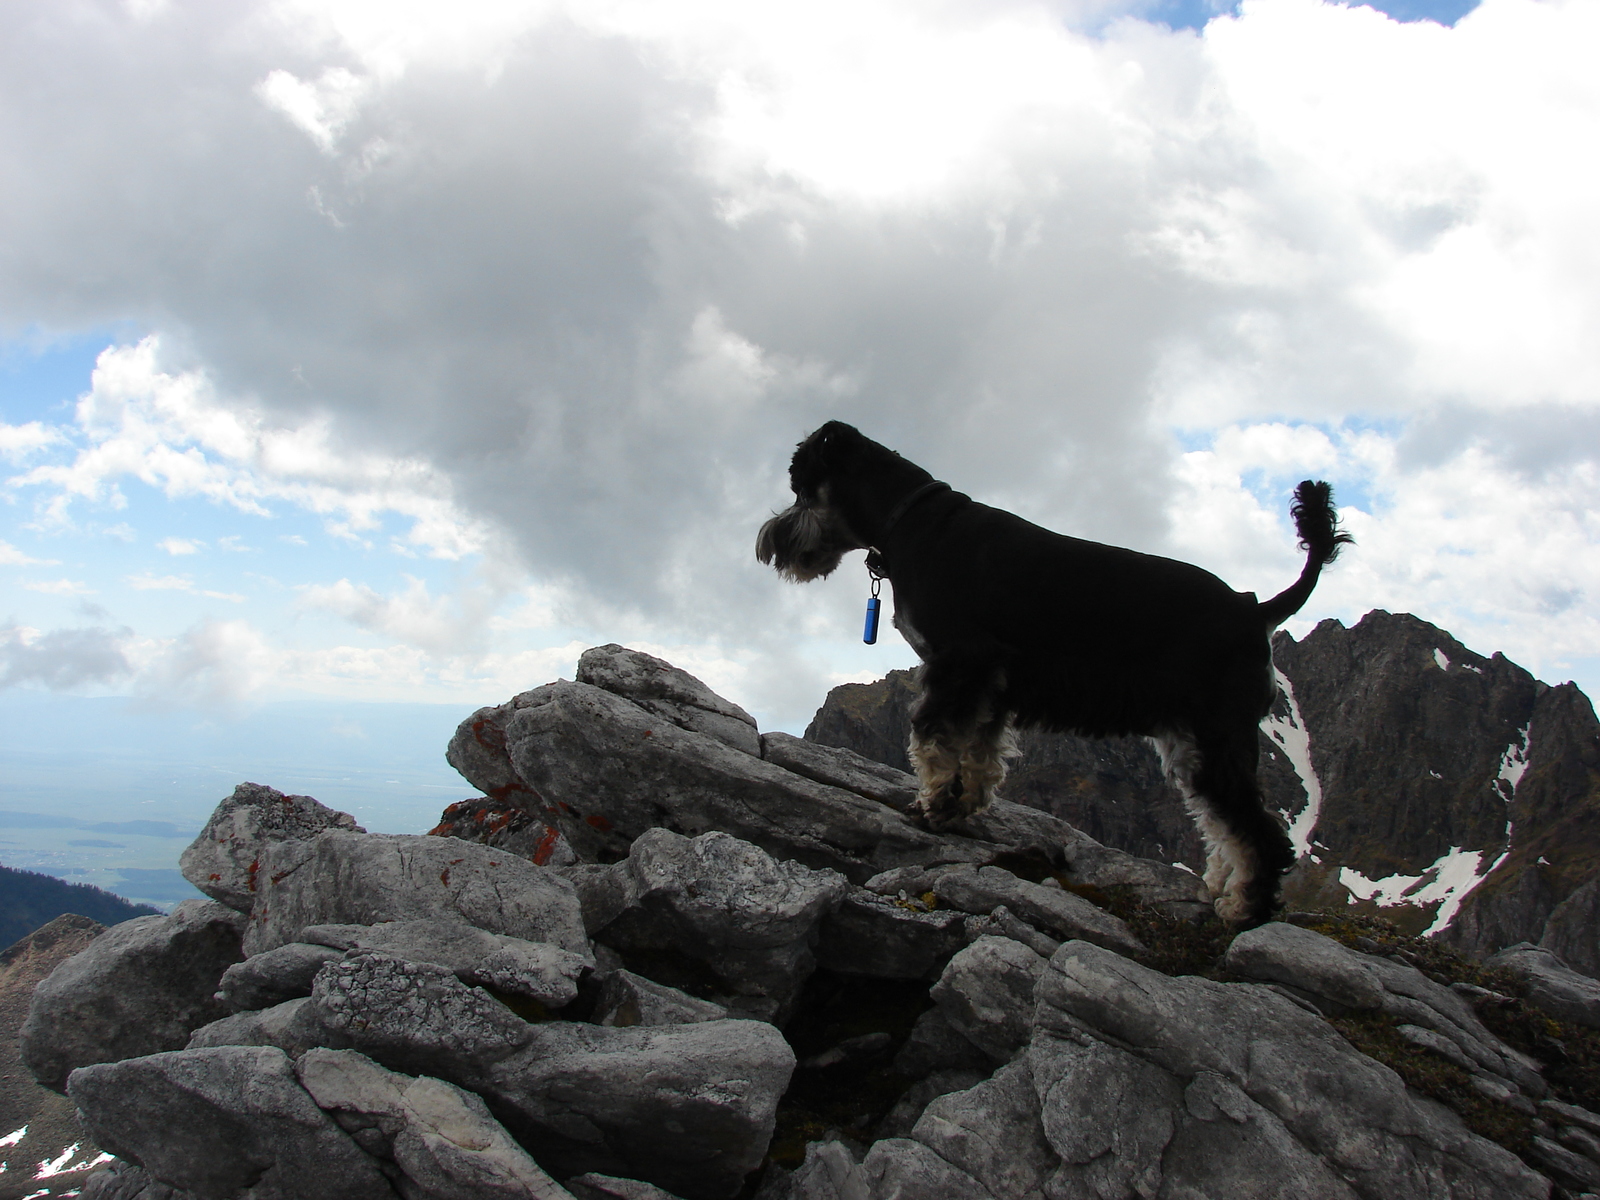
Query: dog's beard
point(802, 544)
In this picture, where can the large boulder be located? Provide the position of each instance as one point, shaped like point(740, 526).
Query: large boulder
point(141, 987)
point(340, 877)
point(610, 770)
point(986, 994)
point(1552, 985)
point(719, 916)
point(1125, 1047)
point(1051, 909)
point(670, 693)
point(225, 861)
point(440, 1140)
point(231, 1121)
point(1337, 979)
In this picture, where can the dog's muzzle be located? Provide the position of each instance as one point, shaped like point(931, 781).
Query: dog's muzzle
point(802, 544)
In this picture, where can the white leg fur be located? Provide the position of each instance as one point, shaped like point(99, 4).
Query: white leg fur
point(1230, 865)
point(977, 756)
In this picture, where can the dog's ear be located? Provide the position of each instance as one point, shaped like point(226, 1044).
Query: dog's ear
point(823, 455)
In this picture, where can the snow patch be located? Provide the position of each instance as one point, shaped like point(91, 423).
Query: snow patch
point(1513, 763)
point(1438, 657)
point(1447, 882)
point(1291, 734)
point(11, 1139)
point(1185, 867)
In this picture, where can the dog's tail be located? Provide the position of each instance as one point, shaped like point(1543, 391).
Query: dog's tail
point(1317, 523)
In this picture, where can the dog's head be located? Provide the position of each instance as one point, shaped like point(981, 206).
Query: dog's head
point(808, 539)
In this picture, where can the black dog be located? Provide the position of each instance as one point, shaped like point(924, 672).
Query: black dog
point(1018, 625)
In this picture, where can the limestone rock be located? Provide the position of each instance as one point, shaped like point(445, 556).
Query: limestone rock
point(224, 862)
point(294, 1027)
point(1571, 931)
point(478, 751)
point(1337, 978)
point(727, 918)
point(993, 1131)
point(868, 934)
point(441, 1139)
point(935, 1045)
point(838, 767)
point(623, 998)
point(340, 877)
point(141, 987)
point(611, 770)
point(231, 1121)
point(595, 1186)
point(1552, 985)
point(665, 691)
point(986, 994)
point(1060, 912)
point(1112, 1036)
point(506, 825)
point(120, 1180)
point(275, 976)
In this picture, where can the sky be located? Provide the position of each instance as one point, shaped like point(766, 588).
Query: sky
point(372, 360)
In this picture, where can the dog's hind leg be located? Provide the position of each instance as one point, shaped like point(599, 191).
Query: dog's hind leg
point(1247, 851)
point(960, 735)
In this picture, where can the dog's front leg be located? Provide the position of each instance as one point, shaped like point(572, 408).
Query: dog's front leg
point(960, 736)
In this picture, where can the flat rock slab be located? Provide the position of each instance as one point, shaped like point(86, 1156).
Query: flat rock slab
point(224, 862)
point(141, 987)
point(1339, 978)
point(274, 976)
point(612, 770)
point(869, 934)
point(224, 1122)
point(513, 965)
point(1552, 985)
point(339, 877)
point(1117, 1052)
point(982, 890)
point(441, 1139)
point(841, 768)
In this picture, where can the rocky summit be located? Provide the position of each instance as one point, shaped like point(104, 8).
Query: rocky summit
point(663, 954)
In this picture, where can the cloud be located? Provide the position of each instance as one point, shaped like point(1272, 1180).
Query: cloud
point(59, 587)
point(17, 442)
point(176, 583)
point(177, 546)
point(10, 556)
point(63, 658)
point(557, 290)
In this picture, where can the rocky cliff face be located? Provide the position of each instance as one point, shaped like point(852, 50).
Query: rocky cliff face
point(1452, 792)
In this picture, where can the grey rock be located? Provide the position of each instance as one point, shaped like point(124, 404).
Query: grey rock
point(414, 1017)
point(665, 691)
point(442, 1139)
point(1340, 1106)
point(231, 1121)
point(724, 911)
point(612, 770)
point(225, 863)
point(141, 987)
point(986, 994)
point(829, 1172)
point(1552, 985)
point(1581, 1140)
point(1106, 1114)
point(1567, 1167)
point(595, 1186)
point(1056, 911)
point(339, 877)
point(1339, 979)
point(1000, 923)
point(1570, 931)
point(689, 1108)
point(869, 934)
point(840, 768)
point(120, 1180)
point(935, 1045)
point(913, 882)
point(536, 970)
point(1160, 885)
point(900, 1120)
point(275, 976)
point(623, 998)
point(478, 751)
point(993, 1131)
point(905, 1169)
point(293, 1027)
point(1570, 1114)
